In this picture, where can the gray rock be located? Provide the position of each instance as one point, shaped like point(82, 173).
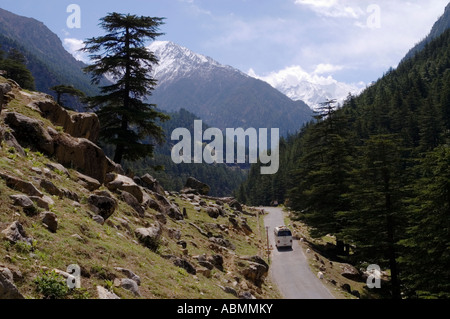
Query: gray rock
point(43, 202)
point(22, 201)
point(133, 203)
point(98, 219)
point(149, 236)
point(186, 265)
point(103, 206)
point(21, 185)
point(87, 182)
point(350, 272)
point(103, 293)
point(15, 232)
point(152, 184)
point(213, 212)
point(194, 186)
point(30, 132)
point(130, 285)
point(130, 275)
point(50, 220)
point(7, 288)
point(51, 188)
point(126, 184)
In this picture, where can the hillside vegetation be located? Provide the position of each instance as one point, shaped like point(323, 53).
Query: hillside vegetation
point(374, 174)
point(129, 240)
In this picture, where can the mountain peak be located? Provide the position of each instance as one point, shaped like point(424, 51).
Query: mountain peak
point(440, 26)
point(177, 61)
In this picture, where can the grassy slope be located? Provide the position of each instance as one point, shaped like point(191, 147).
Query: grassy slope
point(101, 248)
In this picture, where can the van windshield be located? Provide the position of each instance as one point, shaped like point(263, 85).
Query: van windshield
point(284, 233)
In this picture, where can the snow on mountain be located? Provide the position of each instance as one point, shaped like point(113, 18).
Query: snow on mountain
point(311, 88)
point(176, 61)
point(221, 95)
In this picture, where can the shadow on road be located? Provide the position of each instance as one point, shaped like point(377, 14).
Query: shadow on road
point(285, 249)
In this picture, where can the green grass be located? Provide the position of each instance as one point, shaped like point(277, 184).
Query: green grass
point(98, 249)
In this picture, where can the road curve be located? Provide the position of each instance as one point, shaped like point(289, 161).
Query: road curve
point(289, 269)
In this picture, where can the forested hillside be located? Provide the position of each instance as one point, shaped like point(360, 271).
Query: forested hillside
point(45, 55)
point(375, 174)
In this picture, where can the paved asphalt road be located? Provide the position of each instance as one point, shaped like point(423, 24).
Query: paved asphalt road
point(289, 269)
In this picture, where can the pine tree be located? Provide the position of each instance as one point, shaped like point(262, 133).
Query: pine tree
point(321, 179)
point(16, 69)
point(426, 253)
point(126, 119)
point(373, 225)
point(61, 90)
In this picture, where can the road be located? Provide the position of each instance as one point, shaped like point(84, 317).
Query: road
point(289, 269)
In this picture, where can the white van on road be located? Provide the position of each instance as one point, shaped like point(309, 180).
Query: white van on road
point(283, 237)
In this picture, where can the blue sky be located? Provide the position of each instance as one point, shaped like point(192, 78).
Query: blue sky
point(349, 40)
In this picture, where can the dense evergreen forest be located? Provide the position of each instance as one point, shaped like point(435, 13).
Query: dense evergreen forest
point(375, 174)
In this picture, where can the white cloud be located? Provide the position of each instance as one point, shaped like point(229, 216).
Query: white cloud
point(324, 68)
point(73, 46)
point(312, 88)
point(334, 8)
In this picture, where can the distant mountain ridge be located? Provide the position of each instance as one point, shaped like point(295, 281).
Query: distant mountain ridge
point(221, 95)
point(314, 89)
point(438, 29)
point(46, 57)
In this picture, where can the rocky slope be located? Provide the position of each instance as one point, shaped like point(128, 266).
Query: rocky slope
point(64, 203)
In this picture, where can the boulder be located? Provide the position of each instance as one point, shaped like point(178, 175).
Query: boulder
point(22, 201)
point(82, 125)
point(126, 184)
point(149, 236)
point(50, 221)
point(7, 288)
point(21, 185)
point(4, 88)
point(217, 261)
point(246, 228)
point(236, 205)
point(15, 232)
point(56, 167)
point(152, 184)
point(50, 188)
point(103, 293)
point(10, 140)
point(43, 202)
point(87, 182)
point(30, 132)
point(222, 242)
point(130, 285)
point(350, 272)
point(98, 219)
point(82, 155)
point(255, 273)
point(132, 202)
point(213, 212)
point(186, 265)
point(130, 275)
point(102, 205)
point(196, 187)
point(256, 270)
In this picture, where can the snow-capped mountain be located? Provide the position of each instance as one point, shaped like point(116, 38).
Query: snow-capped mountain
point(313, 88)
point(176, 61)
point(222, 96)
